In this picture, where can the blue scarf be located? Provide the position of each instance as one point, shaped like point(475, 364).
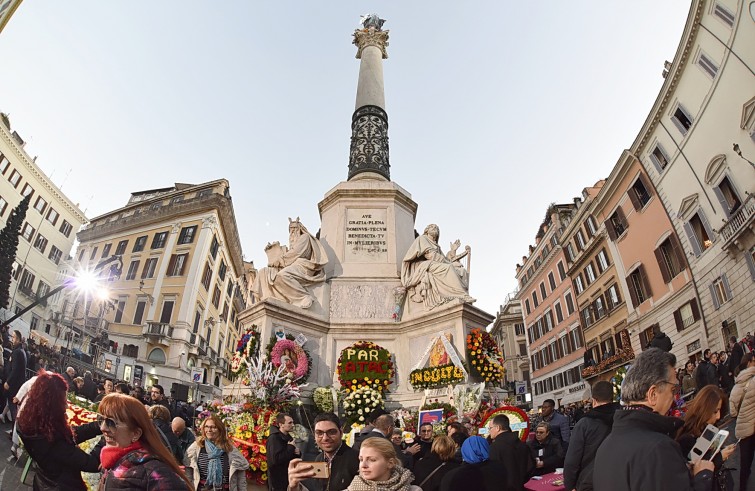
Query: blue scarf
point(214, 464)
point(475, 450)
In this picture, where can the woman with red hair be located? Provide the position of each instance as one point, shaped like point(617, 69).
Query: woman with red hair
point(48, 439)
point(134, 456)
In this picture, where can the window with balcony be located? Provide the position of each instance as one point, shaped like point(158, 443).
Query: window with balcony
point(187, 235)
point(55, 255)
point(40, 204)
point(132, 269)
point(639, 193)
point(616, 224)
point(140, 243)
point(26, 282)
point(728, 196)
point(670, 258)
point(66, 228)
point(639, 288)
point(686, 315)
point(682, 119)
point(158, 241)
point(167, 312)
point(121, 248)
point(42, 289)
point(659, 157)
point(720, 291)
point(699, 233)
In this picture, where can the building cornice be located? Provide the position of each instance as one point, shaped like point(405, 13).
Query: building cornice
point(31, 166)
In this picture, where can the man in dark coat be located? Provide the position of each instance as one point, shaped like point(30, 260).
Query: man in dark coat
point(17, 371)
point(587, 436)
point(507, 448)
point(558, 423)
point(737, 353)
point(640, 453)
point(280, 451)
point(343, 460)
point(706, 373)
point(547, 450)
point(660, 340)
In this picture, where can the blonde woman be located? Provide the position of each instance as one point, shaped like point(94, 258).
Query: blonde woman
point(380, 469)
point(742, 406)
point(215, 462)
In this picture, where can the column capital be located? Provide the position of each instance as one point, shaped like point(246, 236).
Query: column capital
point(371, 36)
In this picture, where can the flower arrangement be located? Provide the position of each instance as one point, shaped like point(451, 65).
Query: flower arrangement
point(518, 419)
point(360, 403)
point(617, 380)
point(435, 377)
point(324, 399)
point(485, 355)
point(249, 432)
point(405, 419)
point(365, 364)
point(77, 415)
point(271, 386)
point(622, 355)
point(246, 348)
point(303, 360)
point(280, 350)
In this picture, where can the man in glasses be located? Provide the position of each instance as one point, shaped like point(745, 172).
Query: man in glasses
point(425, 442)
point(640, 453)
point(157, 396)
point(507, 448)
point(342, 460)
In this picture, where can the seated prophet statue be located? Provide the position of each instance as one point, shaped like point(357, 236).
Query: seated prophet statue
point(429, 276)
point(292, 269)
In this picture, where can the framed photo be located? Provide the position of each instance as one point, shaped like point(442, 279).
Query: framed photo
point(431, 416)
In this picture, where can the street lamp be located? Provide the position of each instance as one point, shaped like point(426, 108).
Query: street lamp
point(738, 151)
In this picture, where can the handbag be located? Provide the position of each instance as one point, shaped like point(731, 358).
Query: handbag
point(722, 480)
point(431, 474)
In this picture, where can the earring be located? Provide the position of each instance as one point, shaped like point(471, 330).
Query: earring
point(133, 440)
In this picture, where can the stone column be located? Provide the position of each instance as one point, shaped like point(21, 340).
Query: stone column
point(368, 156)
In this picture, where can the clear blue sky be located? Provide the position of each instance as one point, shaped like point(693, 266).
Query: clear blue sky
point(496, 109)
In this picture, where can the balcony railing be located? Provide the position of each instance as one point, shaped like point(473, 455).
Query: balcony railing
point(625, 354)
point(158, 330)
point(738, 221)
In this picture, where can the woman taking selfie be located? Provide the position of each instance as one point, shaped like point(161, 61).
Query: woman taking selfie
point(51, 443)
point(215, 462)
point(704, 410)
point(380, 468)
point(134, 456)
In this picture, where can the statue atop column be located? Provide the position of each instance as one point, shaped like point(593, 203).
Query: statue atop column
point(292, 269)
point(431, 277)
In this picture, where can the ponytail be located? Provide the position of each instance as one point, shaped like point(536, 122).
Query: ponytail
point(746, 359)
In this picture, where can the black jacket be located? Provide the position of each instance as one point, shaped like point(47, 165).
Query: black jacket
point(661, 341)
point(586, 437)
point(485, 476)
point(424, 467)
point(737, 353)
point(62, 462)
point(17, 371)
point(552, 454)
point(279, 454)
point(641, 455)
point(171, 440)
point(705, 374)
point(508, 449)
point(343, 468)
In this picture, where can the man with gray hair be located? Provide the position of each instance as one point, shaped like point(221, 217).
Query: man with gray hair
point(640, 454)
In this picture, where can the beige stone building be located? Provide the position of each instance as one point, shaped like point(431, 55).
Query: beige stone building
point(47, 234)
point(695, 146)
point(173, 306)
point(508, 331)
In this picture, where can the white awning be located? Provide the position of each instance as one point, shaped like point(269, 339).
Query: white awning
point(576, 396)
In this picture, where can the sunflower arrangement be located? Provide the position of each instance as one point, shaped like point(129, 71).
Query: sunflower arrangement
point(485, 356)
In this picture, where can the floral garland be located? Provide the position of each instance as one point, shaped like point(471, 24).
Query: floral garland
point(246, 348)
point(274, 341)
point(485, 355)
point(323, 398)
point(623, 355)
point(360, 403)
point(365, 364)
point(518, 419)
point(302, 361)
point(249, 432)
point(435, 377)
point(77, 415)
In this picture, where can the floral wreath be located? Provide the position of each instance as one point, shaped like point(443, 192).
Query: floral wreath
point(303, 363)
point(516, 416)
point(380, 382)
point(246, 348)
point(485, 355)
point(434, 377)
